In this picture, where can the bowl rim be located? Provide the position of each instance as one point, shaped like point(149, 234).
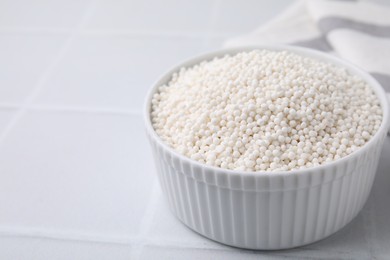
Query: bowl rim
point(310, 53)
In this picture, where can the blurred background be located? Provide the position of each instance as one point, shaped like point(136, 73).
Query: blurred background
point(77, 179)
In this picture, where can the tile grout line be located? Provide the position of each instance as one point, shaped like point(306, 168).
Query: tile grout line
point(36, 233)
point(39, 233)
point(79, 109)
point(89, 110)
point(124, 241)
point(38, 87)
point(10, 106)
point(91, 32)
point(6, 232)
point(172, 34)
point(36, 30)
point(146, 223)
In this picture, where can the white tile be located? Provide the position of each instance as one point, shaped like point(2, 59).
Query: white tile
point(166, 228)
point(114, 71)
point(152, 16)
point(214, 43)
point(41, 13)
point(172, 253)
point(24, 58)
point(5, 117)
point(239, 17)
point(83, 174)
point(13, 248)
point(378, 211)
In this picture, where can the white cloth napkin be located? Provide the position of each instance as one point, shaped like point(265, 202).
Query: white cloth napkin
point(357, 31)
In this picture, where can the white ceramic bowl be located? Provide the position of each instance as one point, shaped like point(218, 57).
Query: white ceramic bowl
point(267, 210)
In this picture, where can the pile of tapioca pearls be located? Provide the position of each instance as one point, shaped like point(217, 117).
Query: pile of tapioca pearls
point(265, 111)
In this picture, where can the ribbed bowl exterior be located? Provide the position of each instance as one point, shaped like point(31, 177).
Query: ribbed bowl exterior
point(268, 210)
point(273, 212)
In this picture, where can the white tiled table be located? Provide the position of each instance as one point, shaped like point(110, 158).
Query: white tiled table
point(76, 175)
